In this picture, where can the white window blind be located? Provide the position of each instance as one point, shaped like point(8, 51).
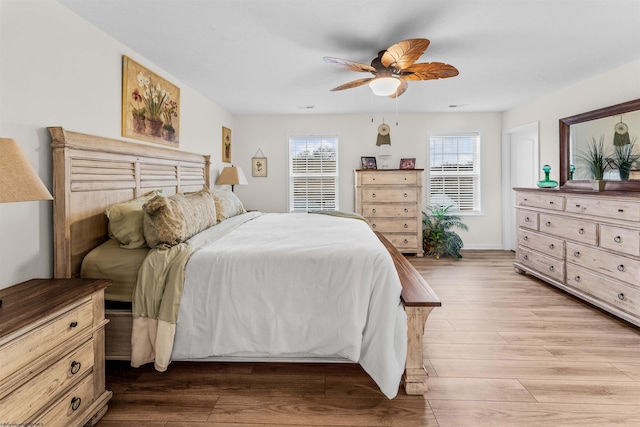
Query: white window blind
point(454, 171)
point(313, 173)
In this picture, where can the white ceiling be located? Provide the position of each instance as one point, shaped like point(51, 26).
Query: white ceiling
point(266, 56)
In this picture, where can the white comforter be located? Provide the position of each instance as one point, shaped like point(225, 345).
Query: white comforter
point(297, 285)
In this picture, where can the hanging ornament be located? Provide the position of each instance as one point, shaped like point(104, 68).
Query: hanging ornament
point(621, 137)
point(383, 135)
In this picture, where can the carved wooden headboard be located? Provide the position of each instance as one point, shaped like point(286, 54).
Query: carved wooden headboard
point(91, 173)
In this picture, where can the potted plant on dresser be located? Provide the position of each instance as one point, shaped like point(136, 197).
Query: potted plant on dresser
point(624, 156)
point(595, 159)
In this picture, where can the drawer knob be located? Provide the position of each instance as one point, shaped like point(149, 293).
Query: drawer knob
point(73, 324)
point(576, 254)
point(620, 210)
point(75, 403)
point(526, 257)
point(551, 268)
point(617, 239)
point(406, 241)
point(581, 231)
point(527, 219)
point(548, 223)
point(621, 267)
point(373, 195)
point(577, 279)
point(577, 206)
point(621, 296)
point(373, 226)
point(75, 367)
point(525, 238)
point(406, 195)
point(406, 210)
point(550, 202)
point(374, 211)
point(406, 226)
point(551, 246)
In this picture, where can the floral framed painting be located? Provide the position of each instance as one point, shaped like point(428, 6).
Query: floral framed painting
point(226, 145)
point(150, 105)
point(259, 166)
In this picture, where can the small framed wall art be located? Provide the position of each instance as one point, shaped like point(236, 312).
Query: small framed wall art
point(369, 163)
point(408, 163)
point(259, 164)
point(226, 145)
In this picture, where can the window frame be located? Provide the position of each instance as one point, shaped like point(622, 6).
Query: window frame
point(290, 175)
point(476, 173)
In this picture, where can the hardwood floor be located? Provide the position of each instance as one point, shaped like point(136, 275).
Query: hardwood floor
point(504, 350)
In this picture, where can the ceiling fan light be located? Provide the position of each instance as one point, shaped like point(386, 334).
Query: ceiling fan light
point(384, 86)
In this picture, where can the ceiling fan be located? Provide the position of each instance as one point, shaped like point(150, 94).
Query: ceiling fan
point(393, 67)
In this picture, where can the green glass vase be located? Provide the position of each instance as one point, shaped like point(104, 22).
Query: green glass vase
point(546, 182)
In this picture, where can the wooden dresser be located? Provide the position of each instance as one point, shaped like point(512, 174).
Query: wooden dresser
point(52, 369)
point(391, 199)
point(587, 243)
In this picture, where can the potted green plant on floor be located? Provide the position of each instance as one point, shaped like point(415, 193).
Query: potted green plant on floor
point(595, 159)
point(624, 156)
point(437, 237)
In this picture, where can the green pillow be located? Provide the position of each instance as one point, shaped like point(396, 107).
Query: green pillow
point(125, 221)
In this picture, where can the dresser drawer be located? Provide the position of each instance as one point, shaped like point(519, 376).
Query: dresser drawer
point(540, 199)
point(616, 266)
point(570, 228)
point(619, 239)
point(394, 225)
point(608, 208)
point(38, 342)
point(74, 403)
point(527, 219)
point(24, 402)
point(389, 195)
point(546, 265)
point(395, 178)
point(403, 241)
point(610, 291)
point(389, 211)
point(541, 243)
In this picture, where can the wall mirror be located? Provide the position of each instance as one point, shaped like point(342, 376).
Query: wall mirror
point(577, 131)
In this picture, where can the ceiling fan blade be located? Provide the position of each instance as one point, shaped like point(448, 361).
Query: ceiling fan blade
point(403, 86)
point(353, 84)
point(350, 65)
point(401, 55)
point(429, 71)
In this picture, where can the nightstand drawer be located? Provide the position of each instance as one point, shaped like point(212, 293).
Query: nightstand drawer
point(388, 195)
point(74, 403)
point(24, 402)
point(38, 342)
point(570, 228)
point(619, 239)
point(402, 241)
point(394, 225)
point(395, 178)
point(389, 211)
point(609, 291)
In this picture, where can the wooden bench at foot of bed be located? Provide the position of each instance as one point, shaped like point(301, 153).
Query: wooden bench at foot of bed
point(418, 300)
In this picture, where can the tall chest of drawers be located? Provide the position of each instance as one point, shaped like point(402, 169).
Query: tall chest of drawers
point(391, 199)
point(585, 243)
point(52, 370)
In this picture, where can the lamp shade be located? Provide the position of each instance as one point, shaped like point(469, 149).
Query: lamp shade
point(384, 86)
point(232, 175)
point(18, 180)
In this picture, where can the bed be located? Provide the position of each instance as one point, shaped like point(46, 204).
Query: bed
point(93, 173)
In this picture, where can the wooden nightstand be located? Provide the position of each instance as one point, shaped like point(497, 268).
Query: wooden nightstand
point(52, 352)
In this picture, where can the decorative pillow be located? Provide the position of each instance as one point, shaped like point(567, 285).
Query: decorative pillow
point(172, 220)
point(125, 221)
point(227, 204)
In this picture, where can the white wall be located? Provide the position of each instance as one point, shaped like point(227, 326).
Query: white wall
point(58, 70)
point(616, 86)
point(358, 138)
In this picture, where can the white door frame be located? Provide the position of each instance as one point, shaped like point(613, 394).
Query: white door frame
point(508, 228)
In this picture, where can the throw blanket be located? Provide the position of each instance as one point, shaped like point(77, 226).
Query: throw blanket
point(289, 286)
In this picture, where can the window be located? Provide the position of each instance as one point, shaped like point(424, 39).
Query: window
point(454, 171)
point(313, 173)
